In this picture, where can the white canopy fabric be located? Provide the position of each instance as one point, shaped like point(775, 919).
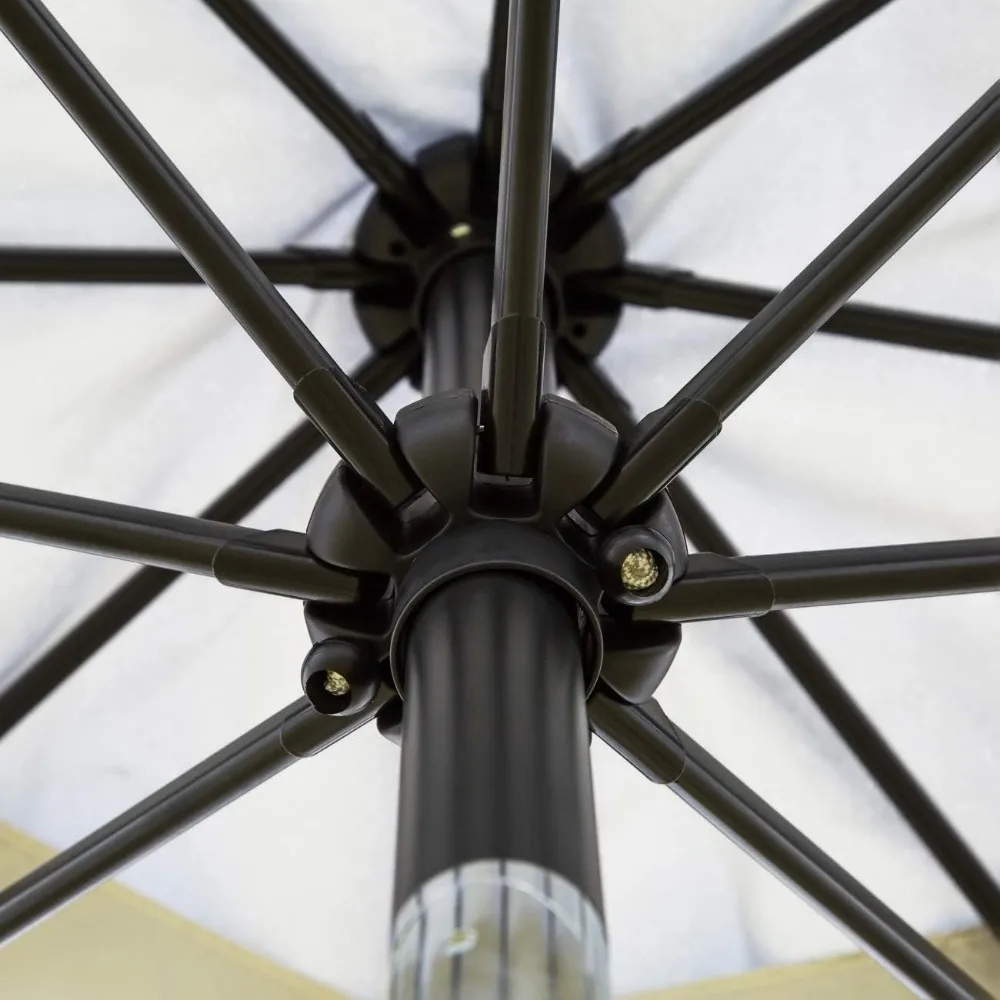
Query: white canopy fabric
point(154, 397)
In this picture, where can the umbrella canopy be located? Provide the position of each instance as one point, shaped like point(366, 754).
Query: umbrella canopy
point(153, 396)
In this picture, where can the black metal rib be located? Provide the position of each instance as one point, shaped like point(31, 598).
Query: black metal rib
point(490, 134)
point(354, 425)
point(276, 562)
point(592, 389)
point(526, 158)
point(295, 732)
point(719, 587)
point(185, 544)
point(620, 164)
point(843, 713)
point(321, 269)
point(648, 740)
point(362, 141)
point(516, 349)
point(882, 573)
point(664, 288)
point(671, 436)
point(30, 686)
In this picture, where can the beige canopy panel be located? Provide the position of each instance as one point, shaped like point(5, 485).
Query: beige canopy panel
point(853, 976)
point(113, 943)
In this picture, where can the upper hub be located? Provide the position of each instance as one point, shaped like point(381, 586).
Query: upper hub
point(448, 169)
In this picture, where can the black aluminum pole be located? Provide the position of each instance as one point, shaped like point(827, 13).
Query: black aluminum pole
point(295, 732)
point(496, 760)
point(646, 738)
point(515, 355)
point(674, 434)
point(495, 787)
point(457, 324)
point(322, 269)
point(497, 828)
point(618, 166)
point(349, 420)
point(666, 288)
point(23, 692)
point(276, 562)
point(718, 587)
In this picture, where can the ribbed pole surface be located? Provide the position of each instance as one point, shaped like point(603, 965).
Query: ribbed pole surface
point(497, 879)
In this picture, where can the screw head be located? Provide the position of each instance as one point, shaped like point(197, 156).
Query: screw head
point(639, 569)
point(336, 684)
point(635, 564)
point(340, 677)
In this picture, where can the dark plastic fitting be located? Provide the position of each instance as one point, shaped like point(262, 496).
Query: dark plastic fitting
point(389, 720)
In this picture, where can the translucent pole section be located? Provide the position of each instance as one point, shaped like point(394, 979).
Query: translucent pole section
point(499, 930)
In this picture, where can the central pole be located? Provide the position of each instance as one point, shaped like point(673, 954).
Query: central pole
point(498, 889)
point(456, 326)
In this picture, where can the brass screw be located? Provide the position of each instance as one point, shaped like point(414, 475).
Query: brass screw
point(639, 570)
point(336, 684)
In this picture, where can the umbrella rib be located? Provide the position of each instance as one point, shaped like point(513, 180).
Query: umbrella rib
point(645, 737)
point(345, 416)
point(621, 163)
point(490, 134)
point(665, 288)
point(516, 348)
point(833, 700)
point(715, 586)
point(275, 562)
point(321, 269)
point(591, 388)
point(355, 132)
point(673, 435)
point(295, 732)
point(30, 686)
